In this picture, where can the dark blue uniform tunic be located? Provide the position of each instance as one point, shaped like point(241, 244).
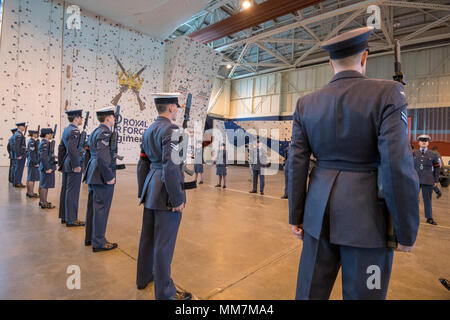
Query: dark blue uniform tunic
point(161, 191)
point(100, 169)
point(46, 158)
point(427, 165)
point(33, 160)
point(221, 163)
point(19, 150)
point(72, 160)
point(12, 162)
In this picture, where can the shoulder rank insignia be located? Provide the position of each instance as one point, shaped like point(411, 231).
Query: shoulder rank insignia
point(174, 146)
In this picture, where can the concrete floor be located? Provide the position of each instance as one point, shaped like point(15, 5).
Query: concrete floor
point(231, 245)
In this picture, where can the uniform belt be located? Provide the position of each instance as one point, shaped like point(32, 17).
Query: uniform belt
point(157, 166)
point(347, 166)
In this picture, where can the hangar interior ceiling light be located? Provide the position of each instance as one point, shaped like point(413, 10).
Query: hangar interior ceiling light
point(246, 4)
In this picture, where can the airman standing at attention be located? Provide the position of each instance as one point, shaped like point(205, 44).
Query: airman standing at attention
point(20, 153)
point(72, 166)
point(164, 198)
point(427, 165)
point(10, 148)
point(356, 128)
point(32, 163)
point(101, 178)
point(47, 168)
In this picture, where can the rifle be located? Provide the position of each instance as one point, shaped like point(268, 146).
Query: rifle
point(114, 142)
point(398, 76)
point(82, 143)
point(52, 146)
point(183, 142)
point(37, 139)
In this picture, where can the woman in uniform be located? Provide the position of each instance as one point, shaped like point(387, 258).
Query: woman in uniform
point(32, 163)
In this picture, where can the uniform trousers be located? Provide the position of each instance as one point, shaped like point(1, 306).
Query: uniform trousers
point(255, 175)
point(427, 192)
point(362, 268)
point(102, 199)
point(156, 247)
point(19, 165)
point(62, 198)
point(73, 185)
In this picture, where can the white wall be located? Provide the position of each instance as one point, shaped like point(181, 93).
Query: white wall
point(46, 69)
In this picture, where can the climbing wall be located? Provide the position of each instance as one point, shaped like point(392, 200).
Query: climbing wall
point(30, 59)
point(47, 68)
point(90, 75)
point(191, 67)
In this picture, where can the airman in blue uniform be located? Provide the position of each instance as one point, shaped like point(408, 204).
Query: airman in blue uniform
point(258, 160)
point(72, 167)
point(427, 165)
point(10, 149)
point(62, 195)
point(101, 178)
point(20, 153)
point(221, 166)
point(47, 167)
point(90, 202)
point(163, 197)
point(355, 127)
point(32, 163)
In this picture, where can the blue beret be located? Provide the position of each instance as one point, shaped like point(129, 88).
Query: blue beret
point(13, 130)
point(348, 43)
point(75, 113)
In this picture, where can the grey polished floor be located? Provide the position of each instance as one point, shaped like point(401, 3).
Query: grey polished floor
point(231, 245)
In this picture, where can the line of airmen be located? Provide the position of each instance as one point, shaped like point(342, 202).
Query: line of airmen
point(161, 190)
point(94, 160)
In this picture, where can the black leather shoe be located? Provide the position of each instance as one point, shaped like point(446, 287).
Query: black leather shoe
point(431, 221)
point(47, 205)
point(218, 185)
point(29, 195)
point(19, 186)
point(76, 223)
point(108, 246)
point(143, 286)
point(445, 283)
point(439, 195)
point(181, 295)
point(63, 221)
point(201, 182)
point(252, 191)
point(284, 197)
point(224, 186)
point(35, 195)
point(262, 193)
